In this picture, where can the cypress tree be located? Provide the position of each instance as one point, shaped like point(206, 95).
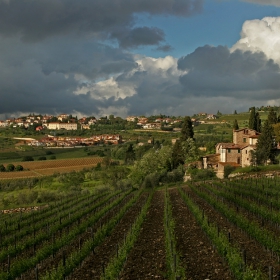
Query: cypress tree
point(187, 129)
point(265, 144)
point(272, 116)
point(235, 125)
point(252, 118)
point(258, 122)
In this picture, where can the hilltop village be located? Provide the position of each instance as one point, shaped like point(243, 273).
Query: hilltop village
point(238, 150)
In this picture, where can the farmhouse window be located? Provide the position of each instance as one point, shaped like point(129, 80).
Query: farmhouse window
point(238, 151)
point(229, 150)
point(244, 140)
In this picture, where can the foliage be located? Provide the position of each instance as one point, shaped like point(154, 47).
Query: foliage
point(129, 154)
point(52, 157)
point(178, 155)
point(151, 180)
point(272, 116)
point(276, 132)
point(235, 125)
point(227, 170)
point(265, 144)
point(190, 150)
point(254, 120)
point(202, 174)
point(187, 129)
point(2, 168)
point(19, 167)
point(10, 167)
point(42, 158)
point(154, 161)
point(27, 158)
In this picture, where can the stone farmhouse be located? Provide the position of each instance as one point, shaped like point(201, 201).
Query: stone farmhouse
point(235, 154)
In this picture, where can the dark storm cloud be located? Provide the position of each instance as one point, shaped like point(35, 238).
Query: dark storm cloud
point(38, 19)
point(41, 77)
point(218, 72)
point(139, 36)
point(165, 48)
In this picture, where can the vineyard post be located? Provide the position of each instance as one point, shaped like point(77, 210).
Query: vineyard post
point(9, 263)
point(80, 244)
point(63, 257)
point(244, 258)
point(36, 273)
point(53, 245)
point(270, 273)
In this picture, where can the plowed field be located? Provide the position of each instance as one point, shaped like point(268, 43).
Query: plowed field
point(49, 167)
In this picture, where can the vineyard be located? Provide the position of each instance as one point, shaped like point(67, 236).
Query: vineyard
point(210, 230)
point(49, 167)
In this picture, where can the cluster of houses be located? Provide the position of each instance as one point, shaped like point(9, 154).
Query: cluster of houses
point(63, 121)
point(67, 122)
point(52, 141)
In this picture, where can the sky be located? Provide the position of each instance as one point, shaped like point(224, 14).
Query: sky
point(138, 57)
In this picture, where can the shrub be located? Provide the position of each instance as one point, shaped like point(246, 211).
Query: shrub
point(27, 158)
point(2, 168)
point(151, 180)
point(10, 167)
point(228, 169)
point(203, 174)
point(42, 158)
point(52, 157)
point(19, 168)
point(49, 153)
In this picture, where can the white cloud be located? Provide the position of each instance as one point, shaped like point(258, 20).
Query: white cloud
point(107, 89)
point(261, 36)
point(265, 2)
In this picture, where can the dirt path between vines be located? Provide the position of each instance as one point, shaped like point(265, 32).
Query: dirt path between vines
point(256, 255)
point(147, 260)
point(198, 257)
point(93, 266)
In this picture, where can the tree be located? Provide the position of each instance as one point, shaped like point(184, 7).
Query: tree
point(276, 132)
point(272, 116)
point(187, 129)
point(19, 168)
point(2, 168)
point(129, 154)
point(265, 144)
point(258, 123)
point(254, 120)
point(153, 161)
point(177, 156)
point(27, 158)
point(235, 125)
point(190, 151)
point(10, 167)
point(235, 113)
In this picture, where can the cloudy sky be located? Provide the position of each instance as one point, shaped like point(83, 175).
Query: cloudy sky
point(138, 57)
